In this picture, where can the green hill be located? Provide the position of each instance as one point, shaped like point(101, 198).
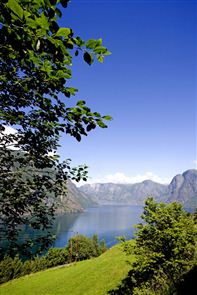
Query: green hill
point(90, 277)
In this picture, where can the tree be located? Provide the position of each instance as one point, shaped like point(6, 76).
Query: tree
point(35, 64)
point(81, 247)
point(165, 248)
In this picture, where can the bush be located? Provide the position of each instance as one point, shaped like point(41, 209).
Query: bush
point(56, 256)
point(102, 247)
point(10, 269)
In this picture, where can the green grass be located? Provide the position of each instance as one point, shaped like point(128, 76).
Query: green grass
point(91, 277)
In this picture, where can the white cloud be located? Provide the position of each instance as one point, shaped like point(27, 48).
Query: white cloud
point(195, 162)
point(9, 131)
point(120, 177)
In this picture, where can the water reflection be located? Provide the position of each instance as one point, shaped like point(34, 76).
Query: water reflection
point(107, 222)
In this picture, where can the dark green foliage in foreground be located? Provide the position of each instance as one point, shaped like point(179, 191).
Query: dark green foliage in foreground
point(165, 250)
point(35, 66)
point(79, 248)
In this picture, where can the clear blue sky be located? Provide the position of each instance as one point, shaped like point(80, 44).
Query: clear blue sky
point(148, 85)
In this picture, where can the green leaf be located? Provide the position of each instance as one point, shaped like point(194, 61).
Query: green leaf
point(16, 8)
point(107, 53)
point(96, 114)
point(60, 74)
point(72, 90)
point(63, 32)
point(100, 50)
point(88, 58)
point(42, 21)
point(26, 14)
point(78, 41)
point(92, 43)
point(32, 23)
point(81, 103)
point(101, 124)
point(100, 58)
point(107, 117)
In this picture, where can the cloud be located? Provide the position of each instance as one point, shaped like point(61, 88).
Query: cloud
point(9, 131)
point(120, 177)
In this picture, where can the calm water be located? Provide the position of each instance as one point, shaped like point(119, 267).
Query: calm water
point(107, 222)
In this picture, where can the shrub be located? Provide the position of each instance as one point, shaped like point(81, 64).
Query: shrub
point(56, 256)
point(10, 268)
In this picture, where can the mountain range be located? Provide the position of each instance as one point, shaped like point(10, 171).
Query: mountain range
point(183, 188)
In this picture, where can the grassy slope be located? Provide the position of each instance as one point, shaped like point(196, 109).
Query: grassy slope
point(91, 277)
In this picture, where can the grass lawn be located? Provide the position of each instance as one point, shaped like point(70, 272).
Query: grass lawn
point(90, 277)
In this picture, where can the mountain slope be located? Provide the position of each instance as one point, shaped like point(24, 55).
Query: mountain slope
point(133, 194)
point(183, 188)
point(74, 200)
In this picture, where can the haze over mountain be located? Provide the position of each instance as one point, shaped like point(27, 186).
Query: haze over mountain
point(183, 188)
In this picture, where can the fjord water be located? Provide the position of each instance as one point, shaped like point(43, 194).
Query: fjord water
point(108, 222)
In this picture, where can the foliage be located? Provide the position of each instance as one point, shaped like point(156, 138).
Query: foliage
point(56, 256)
point(10, 268)
point(164, 250)
point(93, 276)
point(102, 247)
point(35, 64)
point(81, 247)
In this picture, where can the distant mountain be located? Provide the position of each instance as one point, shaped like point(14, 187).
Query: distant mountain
point(133, 194)
point(183, 188)
point(74, 201)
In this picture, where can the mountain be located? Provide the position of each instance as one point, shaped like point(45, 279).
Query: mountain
point(183, 188)
point(133, 194)
point(74, 200)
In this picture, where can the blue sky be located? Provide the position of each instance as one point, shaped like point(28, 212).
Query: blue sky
point(148, 86)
